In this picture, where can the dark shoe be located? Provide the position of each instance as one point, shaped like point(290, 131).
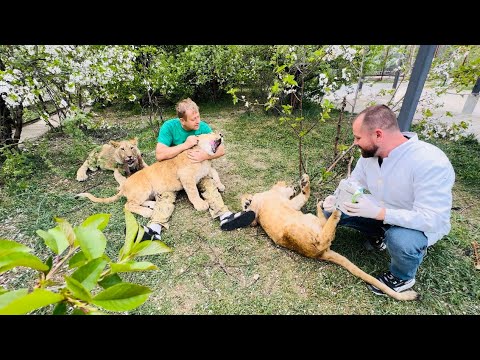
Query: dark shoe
point(375, 243)
point(150, 234)
point(238, 220)
point(392, 282)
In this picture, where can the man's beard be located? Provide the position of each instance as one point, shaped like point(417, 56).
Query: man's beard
point(368, 153)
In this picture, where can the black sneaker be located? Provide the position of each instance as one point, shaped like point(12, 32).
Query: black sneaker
point(392, 282)
point(375, 243)
point(238, 220)
point(150, 234)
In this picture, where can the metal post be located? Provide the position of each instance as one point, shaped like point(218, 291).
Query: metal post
point(472, 99)
point(415, 85)
point(395, 81)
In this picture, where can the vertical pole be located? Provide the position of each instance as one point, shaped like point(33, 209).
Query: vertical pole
point(472, 99)
point(415, 85)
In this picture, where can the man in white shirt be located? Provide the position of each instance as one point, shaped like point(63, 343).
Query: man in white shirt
point(411, 185)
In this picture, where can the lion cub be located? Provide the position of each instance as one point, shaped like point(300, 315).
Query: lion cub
point(172, 174)
point(278, 213)
point(118, 156)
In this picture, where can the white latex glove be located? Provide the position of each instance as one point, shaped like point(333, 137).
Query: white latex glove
point(365, 208)
point(329, 203)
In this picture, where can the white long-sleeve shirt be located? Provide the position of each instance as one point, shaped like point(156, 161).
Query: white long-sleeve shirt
point(414, 185)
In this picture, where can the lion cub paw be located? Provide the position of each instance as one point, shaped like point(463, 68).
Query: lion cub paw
point(246, 201)
point(82, 177)
point(305, 183)
point(221, 187)
point(336, 215)
point(201, 205)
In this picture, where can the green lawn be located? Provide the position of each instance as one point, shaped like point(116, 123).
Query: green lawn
point(243, 272)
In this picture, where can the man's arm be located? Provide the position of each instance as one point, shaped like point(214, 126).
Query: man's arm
point(164, 152)
point(199, 155)
point(433, 200)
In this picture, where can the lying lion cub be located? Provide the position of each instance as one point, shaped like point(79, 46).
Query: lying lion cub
point(168, 175)
point(280, 216)
point(119, 156)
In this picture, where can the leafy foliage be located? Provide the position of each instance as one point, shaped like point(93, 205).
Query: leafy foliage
point(91, 280)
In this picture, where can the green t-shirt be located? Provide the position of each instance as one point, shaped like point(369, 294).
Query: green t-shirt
point(171, 132)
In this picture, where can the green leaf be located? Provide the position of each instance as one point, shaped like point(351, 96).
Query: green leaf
point(9, 246)
point(290, 79)
point(49, 263)
point(110, 280)
point(133, 266)
point(3, 290)
point(91, 241)
point(150, 247)
point(49, 240)
point(131, 232)
point(77, 260)
point(35, 300)
point(60, 308)
point(67, 229)
point(55, 239)
point(275, 88)
point(122, 297)
point(139, 234)
point(9, 296)
point(78, 312)
point(99, 221)
point(60, 238)
point(89, 273)
point(21, 259)
point(77, 289)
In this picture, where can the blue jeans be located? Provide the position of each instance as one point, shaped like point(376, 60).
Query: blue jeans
point(406, 247)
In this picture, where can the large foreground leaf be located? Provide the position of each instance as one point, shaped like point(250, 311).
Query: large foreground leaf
point(149, 247)
point(21, 259)
point(92, 241)
point(89, 273)
point(122, 297)
point(27, 303)
point(98, 221)
point(133, 266)
point(9, 246)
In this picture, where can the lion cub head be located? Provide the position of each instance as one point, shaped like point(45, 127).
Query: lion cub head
point(210, 142)
point(127, 153)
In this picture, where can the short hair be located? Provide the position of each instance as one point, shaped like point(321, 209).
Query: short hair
point(184, 105)
point(379, 116)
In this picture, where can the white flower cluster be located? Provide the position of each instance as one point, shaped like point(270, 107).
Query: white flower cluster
point(443, 130)
point(346, 75)
point(335, 51)
point(77, 70)
point(322, 80)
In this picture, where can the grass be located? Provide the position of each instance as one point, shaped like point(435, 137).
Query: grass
point(243, 271)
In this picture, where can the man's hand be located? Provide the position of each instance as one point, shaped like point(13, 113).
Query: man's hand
point(365, 208)
point(197, 155)
point(191, 141)
point(329, 203)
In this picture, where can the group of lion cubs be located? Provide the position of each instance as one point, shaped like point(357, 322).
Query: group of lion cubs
point(277, 210)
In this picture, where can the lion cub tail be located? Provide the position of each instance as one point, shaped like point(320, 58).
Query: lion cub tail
point(100, 200)
point(341, 260)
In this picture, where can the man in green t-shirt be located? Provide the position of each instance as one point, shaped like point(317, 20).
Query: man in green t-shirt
point(177, 135)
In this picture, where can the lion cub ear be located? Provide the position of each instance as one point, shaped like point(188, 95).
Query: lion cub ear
point(134, 141)
point(114, 143)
